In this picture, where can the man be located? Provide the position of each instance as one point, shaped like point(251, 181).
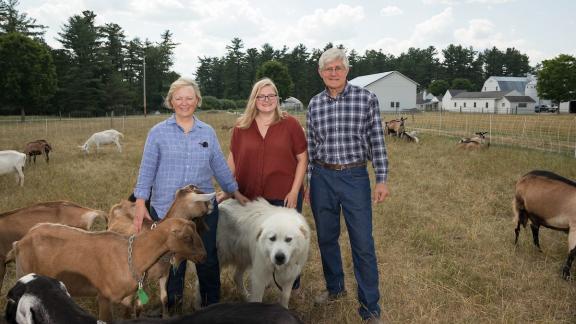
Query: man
point(344, 131)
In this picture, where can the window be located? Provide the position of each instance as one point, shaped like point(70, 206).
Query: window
point(464, 104)
point(474, 104)
point(391, 104)
point(496, 88)
point(397, 104)
point(486, 105)
point(454, 105)
point(522, 105)
point(503, 105)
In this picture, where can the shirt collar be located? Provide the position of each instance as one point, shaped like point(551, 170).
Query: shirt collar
point(344, 92)
point(197, 122)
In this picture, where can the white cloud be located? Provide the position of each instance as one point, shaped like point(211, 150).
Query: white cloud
point(433, 29)
point(441, 2)
point(391, 11)
point(482, 33)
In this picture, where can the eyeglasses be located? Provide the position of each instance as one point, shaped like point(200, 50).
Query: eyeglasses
point(338, 69)
point(267, 97)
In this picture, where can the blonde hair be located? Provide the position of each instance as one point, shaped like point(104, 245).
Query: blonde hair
point(251, 111)
point(180, 83)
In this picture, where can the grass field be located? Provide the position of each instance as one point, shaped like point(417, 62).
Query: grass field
point(444, 237)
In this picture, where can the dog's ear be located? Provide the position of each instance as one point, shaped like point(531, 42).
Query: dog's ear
point(304, 231)
point(258, 235)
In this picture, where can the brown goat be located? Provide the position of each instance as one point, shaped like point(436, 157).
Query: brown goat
point(189, 203)
point(16, 223)
point(395, 127)
point(106, 264)
point(38, 147)
point(547, 199)
point(476, 142)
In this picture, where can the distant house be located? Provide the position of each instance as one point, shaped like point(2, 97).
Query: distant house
point(396, 92)
point(525, 86)
point(292, 103)
point(494, 102)
point(426, 101)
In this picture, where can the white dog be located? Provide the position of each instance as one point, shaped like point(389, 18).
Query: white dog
point(272, 241)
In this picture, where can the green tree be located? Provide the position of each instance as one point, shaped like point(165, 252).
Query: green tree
point(557, 79)
point(462, 84)
point(421, 65)
point(236, 84)
point(11, 21)
point(461, 62)
point(438, 87)
point(493, 63)
point(28, 77)
point(278, 73)
point(515, 63)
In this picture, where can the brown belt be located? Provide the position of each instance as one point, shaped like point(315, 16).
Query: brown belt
point(340, 167)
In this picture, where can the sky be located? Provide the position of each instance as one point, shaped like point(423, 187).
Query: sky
point(203, 28)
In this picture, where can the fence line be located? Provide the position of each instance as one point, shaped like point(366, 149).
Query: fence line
point(553, 133)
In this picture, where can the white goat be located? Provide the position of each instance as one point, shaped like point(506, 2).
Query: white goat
point(104, 137)
point(13, 161)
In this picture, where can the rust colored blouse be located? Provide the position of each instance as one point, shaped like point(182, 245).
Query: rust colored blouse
point(265, 167)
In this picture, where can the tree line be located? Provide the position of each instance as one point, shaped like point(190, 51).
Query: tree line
point(99, 71)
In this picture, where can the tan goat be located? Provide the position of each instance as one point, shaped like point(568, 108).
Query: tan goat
point(15, 224)
point(38, 147)
point(547, 199)
point(189, 203)
point(394, 127)
point(473, 143)
point(106, 264)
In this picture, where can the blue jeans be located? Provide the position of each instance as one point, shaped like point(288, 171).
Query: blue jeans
point(347, 191)
point(279, 202)
point(208, 272)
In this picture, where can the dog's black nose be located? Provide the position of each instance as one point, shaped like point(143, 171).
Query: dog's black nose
point(280, 258)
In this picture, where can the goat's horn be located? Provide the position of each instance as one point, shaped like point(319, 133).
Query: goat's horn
point(204, 197)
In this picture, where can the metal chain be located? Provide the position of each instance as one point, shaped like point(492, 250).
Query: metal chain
point(130, 266)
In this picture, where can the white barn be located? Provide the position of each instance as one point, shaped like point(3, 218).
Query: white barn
point(493, 102)
point(525, 86)
point(395, 91)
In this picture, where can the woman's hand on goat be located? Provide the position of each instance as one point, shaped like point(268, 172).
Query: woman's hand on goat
point(291, 199)
point(139, 214)
point(221, 196)
point(240, 197)
point(380, 193)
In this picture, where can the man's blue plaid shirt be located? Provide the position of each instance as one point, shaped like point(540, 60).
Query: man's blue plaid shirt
point(346, 129)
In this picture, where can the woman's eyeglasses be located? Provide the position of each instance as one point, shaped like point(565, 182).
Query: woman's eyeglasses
point(267, 97)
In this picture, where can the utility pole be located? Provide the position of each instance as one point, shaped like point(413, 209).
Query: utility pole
point(144, 87)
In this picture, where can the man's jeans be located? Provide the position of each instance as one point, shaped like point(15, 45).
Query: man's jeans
point(347, 190)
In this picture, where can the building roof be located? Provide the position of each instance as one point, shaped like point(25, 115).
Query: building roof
point(454, 92)
point(511, 83)
point(481, 95)
point(519, 98)
point(366, 80)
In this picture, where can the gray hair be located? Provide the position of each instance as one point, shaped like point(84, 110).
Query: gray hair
point(333, 54)
point(182, 82)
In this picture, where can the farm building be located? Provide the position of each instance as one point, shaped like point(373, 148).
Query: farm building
point(568, 107)
point(426, 101)
point(525, 86)
point(396, 92)
point(494, 102)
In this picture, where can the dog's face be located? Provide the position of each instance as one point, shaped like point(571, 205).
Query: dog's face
point(280, 237)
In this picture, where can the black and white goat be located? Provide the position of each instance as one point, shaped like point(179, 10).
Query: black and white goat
point(37, 299)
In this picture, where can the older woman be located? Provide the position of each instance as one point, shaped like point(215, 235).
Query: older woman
point(179, 151)
point(268, 150)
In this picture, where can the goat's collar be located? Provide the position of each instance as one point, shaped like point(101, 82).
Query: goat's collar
point(135, 276)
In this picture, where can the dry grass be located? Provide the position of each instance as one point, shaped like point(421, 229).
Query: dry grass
point(444, 237)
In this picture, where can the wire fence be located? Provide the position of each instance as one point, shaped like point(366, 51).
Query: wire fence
point(549, 132)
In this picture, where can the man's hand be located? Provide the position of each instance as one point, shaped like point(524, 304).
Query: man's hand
point(380, 193)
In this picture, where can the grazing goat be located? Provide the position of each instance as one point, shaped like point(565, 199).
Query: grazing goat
point(547, 199)
point(16, 223)
point(189, 203)
point(38, 147)
point(106, 264)
point(104, 137)
point(477, 141)
point(395, 127)
point(37, 299)
point(13, 161)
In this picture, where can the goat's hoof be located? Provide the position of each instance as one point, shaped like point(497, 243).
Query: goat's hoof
point(566, 275)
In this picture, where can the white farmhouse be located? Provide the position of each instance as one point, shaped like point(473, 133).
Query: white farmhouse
point(395, 91)
point(525, 86)
point(493, 102)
